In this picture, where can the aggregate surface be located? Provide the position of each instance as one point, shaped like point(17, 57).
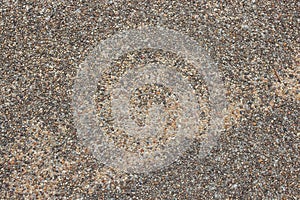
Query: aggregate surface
point(255, 45)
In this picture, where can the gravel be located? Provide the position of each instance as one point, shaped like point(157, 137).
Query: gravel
point(255, 45)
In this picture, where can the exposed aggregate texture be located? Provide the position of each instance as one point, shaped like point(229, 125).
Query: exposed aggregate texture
point(255, 45)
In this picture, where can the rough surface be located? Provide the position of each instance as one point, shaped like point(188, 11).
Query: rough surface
point(255, 44)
